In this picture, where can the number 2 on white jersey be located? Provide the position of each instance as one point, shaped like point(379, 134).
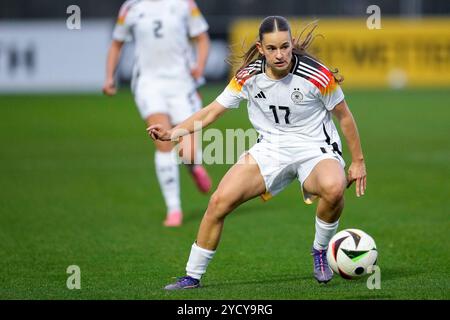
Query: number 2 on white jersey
point(157, 24)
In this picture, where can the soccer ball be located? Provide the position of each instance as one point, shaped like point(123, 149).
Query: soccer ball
point(351, 252)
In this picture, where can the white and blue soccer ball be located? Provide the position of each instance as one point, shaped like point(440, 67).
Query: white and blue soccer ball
point(351, 252)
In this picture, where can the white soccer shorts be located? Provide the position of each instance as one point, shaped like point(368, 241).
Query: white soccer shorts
point(176, 100)
point(280, 166)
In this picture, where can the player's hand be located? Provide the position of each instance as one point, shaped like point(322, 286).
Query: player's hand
point(109, 88)
point(357, 173)
point(157, 132)
point(197, 73)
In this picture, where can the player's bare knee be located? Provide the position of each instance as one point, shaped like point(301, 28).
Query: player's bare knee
point(219, 206)
point(333, 192)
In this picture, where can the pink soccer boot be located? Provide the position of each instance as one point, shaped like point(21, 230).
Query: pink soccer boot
point(174, 219)
point(201, 178)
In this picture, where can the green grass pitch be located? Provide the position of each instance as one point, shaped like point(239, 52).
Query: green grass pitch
point(78, 188)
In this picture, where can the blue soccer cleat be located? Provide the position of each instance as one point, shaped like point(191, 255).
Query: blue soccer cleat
point(186, 282)
point(322, 271)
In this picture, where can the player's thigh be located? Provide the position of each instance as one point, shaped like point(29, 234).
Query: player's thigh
point(241, 183)
point(328, 175)
point(164, 120)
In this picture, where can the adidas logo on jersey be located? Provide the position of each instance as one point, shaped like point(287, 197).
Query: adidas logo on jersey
point(260, 95)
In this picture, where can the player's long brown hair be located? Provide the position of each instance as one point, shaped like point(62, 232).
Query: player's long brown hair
point(300, 45)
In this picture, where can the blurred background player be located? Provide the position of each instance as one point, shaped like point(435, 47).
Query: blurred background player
point(171, 49)
point(291, 99)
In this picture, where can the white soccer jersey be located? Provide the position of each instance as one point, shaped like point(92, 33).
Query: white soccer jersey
point(292, 111)
point(161, 30)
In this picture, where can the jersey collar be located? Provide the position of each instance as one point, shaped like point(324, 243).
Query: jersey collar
point(295, 64)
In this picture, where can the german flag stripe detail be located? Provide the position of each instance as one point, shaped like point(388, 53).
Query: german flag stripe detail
point(312, 76)
point(244, 74)
point(195, 11)
point(124, 9)
point(316, 73)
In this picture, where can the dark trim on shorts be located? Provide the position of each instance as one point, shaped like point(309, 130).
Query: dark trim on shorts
point(260, 137)
point(328, 140)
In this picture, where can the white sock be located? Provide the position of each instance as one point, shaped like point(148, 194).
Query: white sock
point(324, 232)
point(168, 177)
point(198, 261)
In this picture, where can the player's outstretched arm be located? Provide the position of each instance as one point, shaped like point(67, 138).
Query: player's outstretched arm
point(109, 87)
point(357, 169)
point(197, 121)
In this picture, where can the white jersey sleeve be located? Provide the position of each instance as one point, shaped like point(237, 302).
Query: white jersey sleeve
point(332, 95)
point(196, 22)
point(238, 88)
point(122, 29)
point(327, 89)
point(232, 95)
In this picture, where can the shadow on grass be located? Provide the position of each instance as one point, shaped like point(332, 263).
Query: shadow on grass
point(371, 295)
point(262, 280)
point(251, 207)
point(396, 273)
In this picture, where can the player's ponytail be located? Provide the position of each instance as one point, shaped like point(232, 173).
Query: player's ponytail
point(304, 41)
point(301, 46)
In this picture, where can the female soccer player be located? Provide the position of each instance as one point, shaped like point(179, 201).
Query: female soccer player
point(291, 98)
point(164, 81)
